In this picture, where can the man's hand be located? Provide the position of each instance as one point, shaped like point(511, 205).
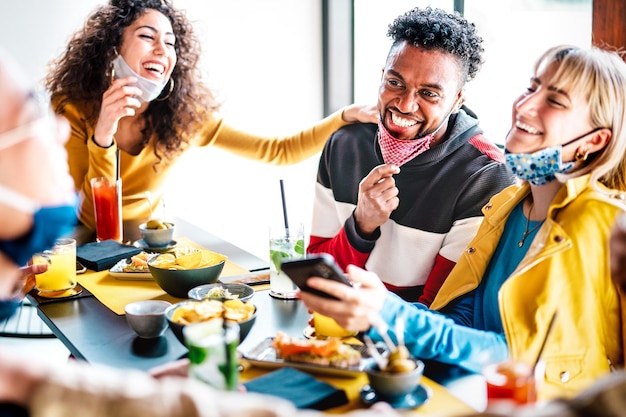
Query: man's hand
point(378, 197)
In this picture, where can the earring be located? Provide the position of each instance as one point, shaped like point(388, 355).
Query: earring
point(581, 156)
point(169, 93)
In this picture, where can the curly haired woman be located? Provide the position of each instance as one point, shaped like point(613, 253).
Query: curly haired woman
point(129, 81)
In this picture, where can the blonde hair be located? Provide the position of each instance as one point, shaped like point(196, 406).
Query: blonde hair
point(601, 76)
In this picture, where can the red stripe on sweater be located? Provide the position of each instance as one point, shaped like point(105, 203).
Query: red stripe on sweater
point(340, 248)
point(487, 148)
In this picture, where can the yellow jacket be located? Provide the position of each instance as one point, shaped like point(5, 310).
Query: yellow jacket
point(87, 160)
point(565, 269)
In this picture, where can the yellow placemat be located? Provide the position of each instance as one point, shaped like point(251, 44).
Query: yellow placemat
point(115, 293)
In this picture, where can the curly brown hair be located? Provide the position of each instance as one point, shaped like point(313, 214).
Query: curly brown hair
point(83, 73)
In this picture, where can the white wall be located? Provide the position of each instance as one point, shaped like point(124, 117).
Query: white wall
point(263, 57)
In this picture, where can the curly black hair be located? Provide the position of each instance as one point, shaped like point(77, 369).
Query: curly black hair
point(435, 29)
point(83, 73)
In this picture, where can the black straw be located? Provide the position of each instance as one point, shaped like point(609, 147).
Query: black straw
point(117, 168)
point(282, 195)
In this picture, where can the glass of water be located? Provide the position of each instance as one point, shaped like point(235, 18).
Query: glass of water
point(284, 244)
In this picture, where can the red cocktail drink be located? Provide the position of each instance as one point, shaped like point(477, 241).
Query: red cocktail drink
point(107, 209)
point(510, 381)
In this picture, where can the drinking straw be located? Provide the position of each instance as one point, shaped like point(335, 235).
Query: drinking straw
point(117, 165)
point(282, 195)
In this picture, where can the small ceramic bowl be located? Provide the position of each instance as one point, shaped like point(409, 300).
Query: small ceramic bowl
point(147, 318)
point(216, 291)
point(394, 385)
point(157, 238)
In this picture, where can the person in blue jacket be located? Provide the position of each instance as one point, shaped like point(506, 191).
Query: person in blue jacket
point(36, 191)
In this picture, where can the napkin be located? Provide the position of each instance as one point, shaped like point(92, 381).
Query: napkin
point(99, 256)
point(298, 387)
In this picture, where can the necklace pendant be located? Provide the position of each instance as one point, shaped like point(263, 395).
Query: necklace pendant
point(521, 242)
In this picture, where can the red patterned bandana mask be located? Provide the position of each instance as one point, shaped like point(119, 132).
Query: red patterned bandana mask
point(398, 152)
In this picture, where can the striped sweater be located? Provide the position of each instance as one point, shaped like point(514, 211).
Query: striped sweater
point(441, 194)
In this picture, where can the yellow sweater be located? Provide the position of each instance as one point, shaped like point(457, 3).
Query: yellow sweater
point(87, 160)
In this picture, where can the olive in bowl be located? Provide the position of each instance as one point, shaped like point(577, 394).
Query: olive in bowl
point(394, 384)
point(157, 233)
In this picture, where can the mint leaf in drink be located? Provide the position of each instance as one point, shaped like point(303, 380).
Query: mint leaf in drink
point(299, 248)
point(276, 258)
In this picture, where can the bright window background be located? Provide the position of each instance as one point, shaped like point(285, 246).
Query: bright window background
point(264, 59)
point(515, 33)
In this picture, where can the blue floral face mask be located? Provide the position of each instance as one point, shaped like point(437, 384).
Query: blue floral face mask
point(540, 167)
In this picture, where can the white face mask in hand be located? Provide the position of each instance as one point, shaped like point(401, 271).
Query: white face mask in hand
point(149, 89)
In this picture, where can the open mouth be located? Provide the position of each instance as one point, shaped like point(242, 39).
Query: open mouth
point(527, 128)
point(154, 68)
point(402, 121)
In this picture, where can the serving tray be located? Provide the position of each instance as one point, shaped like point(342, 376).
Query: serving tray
point(264, 356)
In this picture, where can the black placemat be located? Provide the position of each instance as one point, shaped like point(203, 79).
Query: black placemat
point(99, 256)
point(298, 387)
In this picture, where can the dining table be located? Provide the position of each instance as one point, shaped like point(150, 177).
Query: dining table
point(93, 327)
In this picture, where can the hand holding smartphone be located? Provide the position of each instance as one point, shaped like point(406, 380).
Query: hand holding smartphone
point(319, 265)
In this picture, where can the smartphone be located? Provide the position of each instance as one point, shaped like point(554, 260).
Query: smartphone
point(318, 265)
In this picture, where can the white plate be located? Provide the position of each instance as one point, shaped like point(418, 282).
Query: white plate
point(116, 272)
point(264, 356)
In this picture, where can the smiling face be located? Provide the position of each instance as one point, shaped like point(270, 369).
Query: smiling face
point(418, 91)
point(148, 46)
point(546, 116)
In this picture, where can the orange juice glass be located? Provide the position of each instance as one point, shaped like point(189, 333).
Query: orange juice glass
point(61, 273)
